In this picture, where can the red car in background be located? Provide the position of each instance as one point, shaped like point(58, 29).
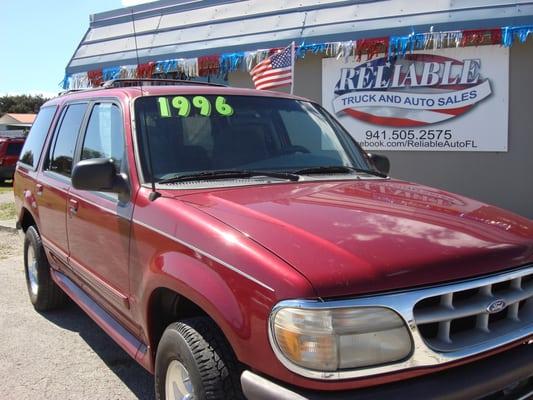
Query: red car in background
point(10, 149)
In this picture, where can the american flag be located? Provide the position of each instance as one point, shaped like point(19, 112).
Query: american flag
point(275, 71)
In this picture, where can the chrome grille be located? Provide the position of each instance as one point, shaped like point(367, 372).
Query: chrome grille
point(457, 319)
point(448, 322)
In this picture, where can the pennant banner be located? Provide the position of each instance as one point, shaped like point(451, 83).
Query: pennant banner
point(509, 33)
point(221, 65)
point(372, 47)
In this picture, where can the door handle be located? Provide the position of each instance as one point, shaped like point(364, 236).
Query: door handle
point(39, 189)
point(73, 206)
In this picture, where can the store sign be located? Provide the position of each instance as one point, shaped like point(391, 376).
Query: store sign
point(446, 100)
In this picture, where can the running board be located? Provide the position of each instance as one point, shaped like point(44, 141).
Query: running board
point(131, 345)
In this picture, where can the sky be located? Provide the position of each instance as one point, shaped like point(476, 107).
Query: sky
point(38, 38)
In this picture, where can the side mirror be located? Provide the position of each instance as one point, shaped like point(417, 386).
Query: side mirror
point(99, 175)
point(381, 163)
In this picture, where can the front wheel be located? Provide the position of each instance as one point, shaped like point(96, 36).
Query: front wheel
point(194, 362)
point(44, 293)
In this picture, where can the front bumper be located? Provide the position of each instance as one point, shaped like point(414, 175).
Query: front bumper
point(510, 373)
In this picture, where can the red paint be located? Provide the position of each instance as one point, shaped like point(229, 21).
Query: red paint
point(454, 111)
point(371, 235)
point(8, 161)
point(236, 252)
point(391, 121)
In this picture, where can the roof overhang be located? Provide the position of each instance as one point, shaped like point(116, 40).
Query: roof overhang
point(170, 29)
point(28, 125)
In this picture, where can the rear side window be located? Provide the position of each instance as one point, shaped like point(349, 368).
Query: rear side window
point(64, 143)
point(105, 134)
point(14, 149)
point(31, 151)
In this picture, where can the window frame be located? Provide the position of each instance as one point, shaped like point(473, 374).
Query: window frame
point(345, 142)
point(53, 139)
point(83, 133)
point(44, 147)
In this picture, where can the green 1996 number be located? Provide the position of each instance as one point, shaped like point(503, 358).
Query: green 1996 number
point(183, 106)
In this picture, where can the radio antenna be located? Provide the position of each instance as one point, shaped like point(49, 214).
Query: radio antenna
point(154, 194)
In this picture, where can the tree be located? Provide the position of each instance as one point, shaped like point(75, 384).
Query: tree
point(21, 104)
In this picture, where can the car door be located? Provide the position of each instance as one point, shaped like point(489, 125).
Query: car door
point(53, 183)
point(98, 223)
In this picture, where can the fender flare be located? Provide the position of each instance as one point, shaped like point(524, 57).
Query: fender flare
point(203, 284)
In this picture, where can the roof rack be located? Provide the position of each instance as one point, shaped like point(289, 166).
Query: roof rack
point(120, 83)
point(64, 92)
point(117, 83)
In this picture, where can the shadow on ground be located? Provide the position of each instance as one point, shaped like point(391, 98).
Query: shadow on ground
point(72, 318)
point(136, 378)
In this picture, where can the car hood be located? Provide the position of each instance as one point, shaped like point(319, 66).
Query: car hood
point(364, 236)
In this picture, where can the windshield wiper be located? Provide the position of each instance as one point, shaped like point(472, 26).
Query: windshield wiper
point(337, 169)
point(229, 174)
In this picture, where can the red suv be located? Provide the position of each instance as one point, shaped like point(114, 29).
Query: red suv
point(239, 243)
point(9, 154)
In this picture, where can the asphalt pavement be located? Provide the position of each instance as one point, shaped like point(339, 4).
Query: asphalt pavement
point(6, 197)
point(57, 355)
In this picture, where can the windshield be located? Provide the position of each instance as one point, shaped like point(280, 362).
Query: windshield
point(189, 134)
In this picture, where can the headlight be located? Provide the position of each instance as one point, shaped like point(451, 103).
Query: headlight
point(340, 338)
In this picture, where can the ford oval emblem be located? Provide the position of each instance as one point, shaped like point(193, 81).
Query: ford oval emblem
point(496, 306)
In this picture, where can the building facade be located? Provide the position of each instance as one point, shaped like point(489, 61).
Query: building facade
point(468, 62)
point(13, 124)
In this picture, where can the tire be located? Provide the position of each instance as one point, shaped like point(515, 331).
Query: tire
point(197, 345)
point(44, 293)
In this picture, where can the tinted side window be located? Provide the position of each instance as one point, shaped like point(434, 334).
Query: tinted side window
point(62, 152)
point(34, 143)
point(105, 134)
point(13, 149)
